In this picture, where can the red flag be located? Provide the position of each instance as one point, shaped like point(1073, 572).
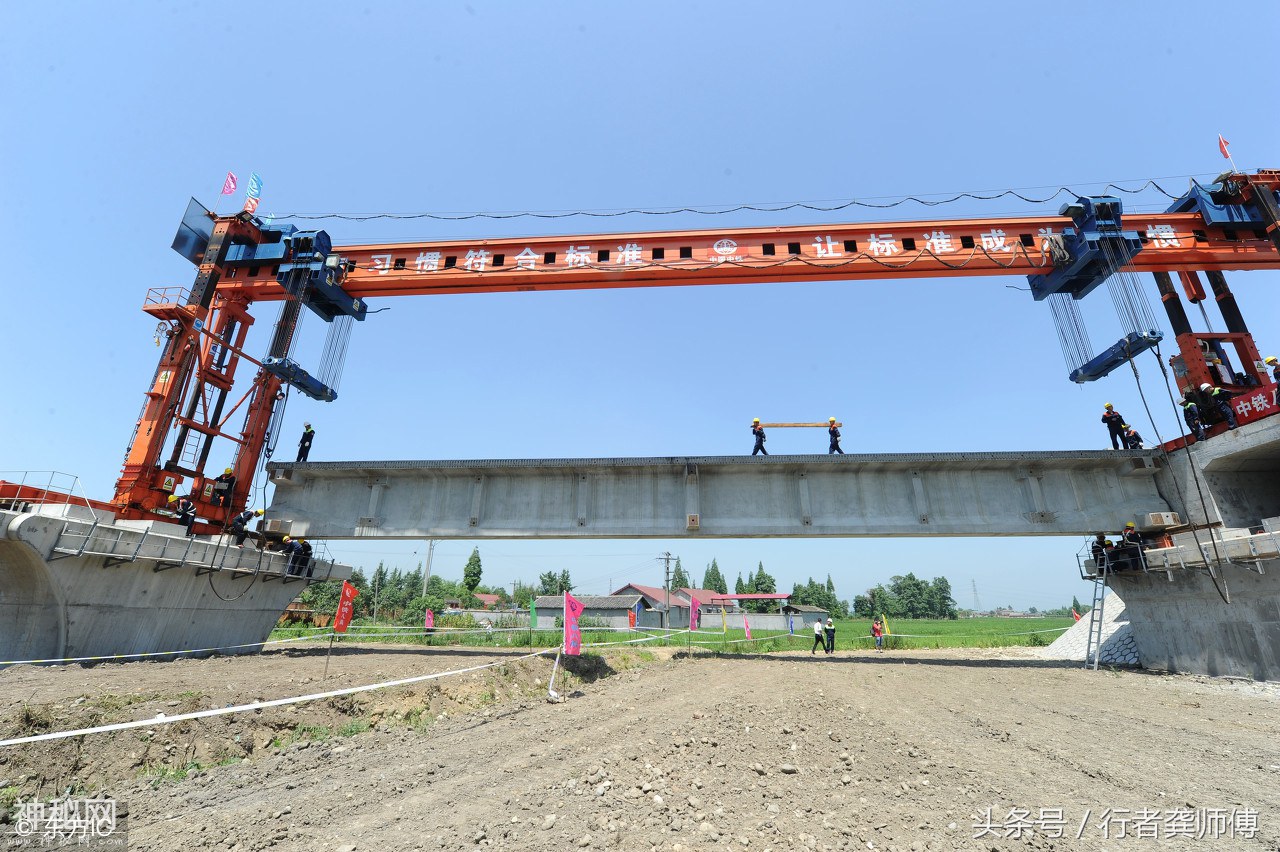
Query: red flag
point(1075, 614)
point(1222, 146)
point(229, 185)
point(631, 619)
point(346, 607)
point(693, 613)
point(572, 635)
point(251, 205)
point(429, 620)
point(746, 628)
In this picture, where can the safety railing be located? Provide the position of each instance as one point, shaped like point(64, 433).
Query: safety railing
point(48, 488)
point(158, 296)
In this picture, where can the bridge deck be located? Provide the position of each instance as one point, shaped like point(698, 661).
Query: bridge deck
point(1062, 492)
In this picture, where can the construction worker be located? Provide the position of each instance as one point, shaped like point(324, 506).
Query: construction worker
point(304, 443)
point(290, 549)
point(1274, 364)
point(240, 524)
point(1221, 401)
point(834, 446)
point(1115, 425)
point(1191, 414)
point(758, 431)
point(1099, 550)
point(1128, 555)
point(185, 509)
point(304, 557)
point(1132, 440)
point(222, 488)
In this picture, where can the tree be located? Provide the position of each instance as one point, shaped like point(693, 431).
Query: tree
point(552, 583)
point(679, 579)
point(1075, 604)
point(566, 585)
point(471, 573)
point(762, 583)
point(712, 579)
point(739, 588)
point(524, 594)
point(941, 604)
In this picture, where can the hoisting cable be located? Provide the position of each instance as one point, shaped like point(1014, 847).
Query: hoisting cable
point(1223, 591)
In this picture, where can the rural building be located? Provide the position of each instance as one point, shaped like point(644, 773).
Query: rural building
point(602, 610)
point(656, 597)
point(488, 601)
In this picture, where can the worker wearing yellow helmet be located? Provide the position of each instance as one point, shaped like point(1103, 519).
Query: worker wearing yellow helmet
point(834, 433)
point(223, 487)
point(185, 509)
point(1115, 425)
point(1274, 364)
point(240, 524)
point(758, 432)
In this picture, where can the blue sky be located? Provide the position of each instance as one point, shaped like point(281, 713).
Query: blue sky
point(118, 114)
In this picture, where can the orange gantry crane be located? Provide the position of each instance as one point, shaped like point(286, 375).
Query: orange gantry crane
point(1229, 225)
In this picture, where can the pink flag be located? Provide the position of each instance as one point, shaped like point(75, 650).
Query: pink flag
point(1222, 146)
point(746, 627)
point(572, 635)
point(229, 185)
point(251, 205)
point(693, 613)
point(429, 620)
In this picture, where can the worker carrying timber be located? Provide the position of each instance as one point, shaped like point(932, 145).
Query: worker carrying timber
point(758, 432)
point(1221, 402)
point(834, 446)
point(185, 509)
point(304, 443)
point(222, 488)
point(240, 524)
point(1115, 425)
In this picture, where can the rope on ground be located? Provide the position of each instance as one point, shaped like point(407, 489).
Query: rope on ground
point(258, 705)
point(103, 657)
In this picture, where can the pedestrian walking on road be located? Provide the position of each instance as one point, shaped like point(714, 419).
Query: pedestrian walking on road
point(304, 443)
point(834, 447)
point(1115, 425)
point(830, 630)
point(819, 638)
point(758, 431)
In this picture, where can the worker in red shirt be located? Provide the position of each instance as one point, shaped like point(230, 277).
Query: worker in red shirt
point(877, 630)
point(1115, 425)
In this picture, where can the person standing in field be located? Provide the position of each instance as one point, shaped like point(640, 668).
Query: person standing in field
point(830, 630)
point(877, 631)
point(819, 638)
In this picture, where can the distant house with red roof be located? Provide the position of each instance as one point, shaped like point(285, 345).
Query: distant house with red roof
point(489, 601)
point(656, 597)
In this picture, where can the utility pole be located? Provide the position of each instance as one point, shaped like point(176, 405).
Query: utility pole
point(514, 583)
point(666, 584)
point(976, 606)
point(426, 575)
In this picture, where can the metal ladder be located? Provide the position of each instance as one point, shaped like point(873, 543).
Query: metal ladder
point(1094, 646)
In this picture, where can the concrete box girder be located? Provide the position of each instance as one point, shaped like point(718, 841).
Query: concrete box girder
point(913, 494)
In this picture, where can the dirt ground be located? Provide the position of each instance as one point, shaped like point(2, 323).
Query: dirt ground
point(897, 751)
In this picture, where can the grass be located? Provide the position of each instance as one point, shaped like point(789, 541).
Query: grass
point(851, 635)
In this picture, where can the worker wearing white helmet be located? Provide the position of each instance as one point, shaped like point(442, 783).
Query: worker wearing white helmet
point(758, 432)
point(1220, 401)
point(834, 446)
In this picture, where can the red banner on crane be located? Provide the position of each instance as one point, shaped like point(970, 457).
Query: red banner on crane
point(1222, 146)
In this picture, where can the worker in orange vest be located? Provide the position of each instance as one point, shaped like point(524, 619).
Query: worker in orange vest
point(1115, 425)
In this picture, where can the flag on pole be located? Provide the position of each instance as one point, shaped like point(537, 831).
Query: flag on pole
point(791, 624)
point(1075, 614)
point(253, 194)
point(724, 621)
point(746, 628)
point(1222, 146)
point(346, 607)
point(884, 621)
point(533, 615)
point(572, 635)
point(631, 619)
point(429, 620)
point(693, 613)
point(229, 185)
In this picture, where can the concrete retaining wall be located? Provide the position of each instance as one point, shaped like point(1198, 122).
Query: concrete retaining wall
point(76, 606)
point(1183, 625)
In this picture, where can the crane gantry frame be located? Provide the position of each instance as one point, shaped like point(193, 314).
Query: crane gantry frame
point(1231, 225)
